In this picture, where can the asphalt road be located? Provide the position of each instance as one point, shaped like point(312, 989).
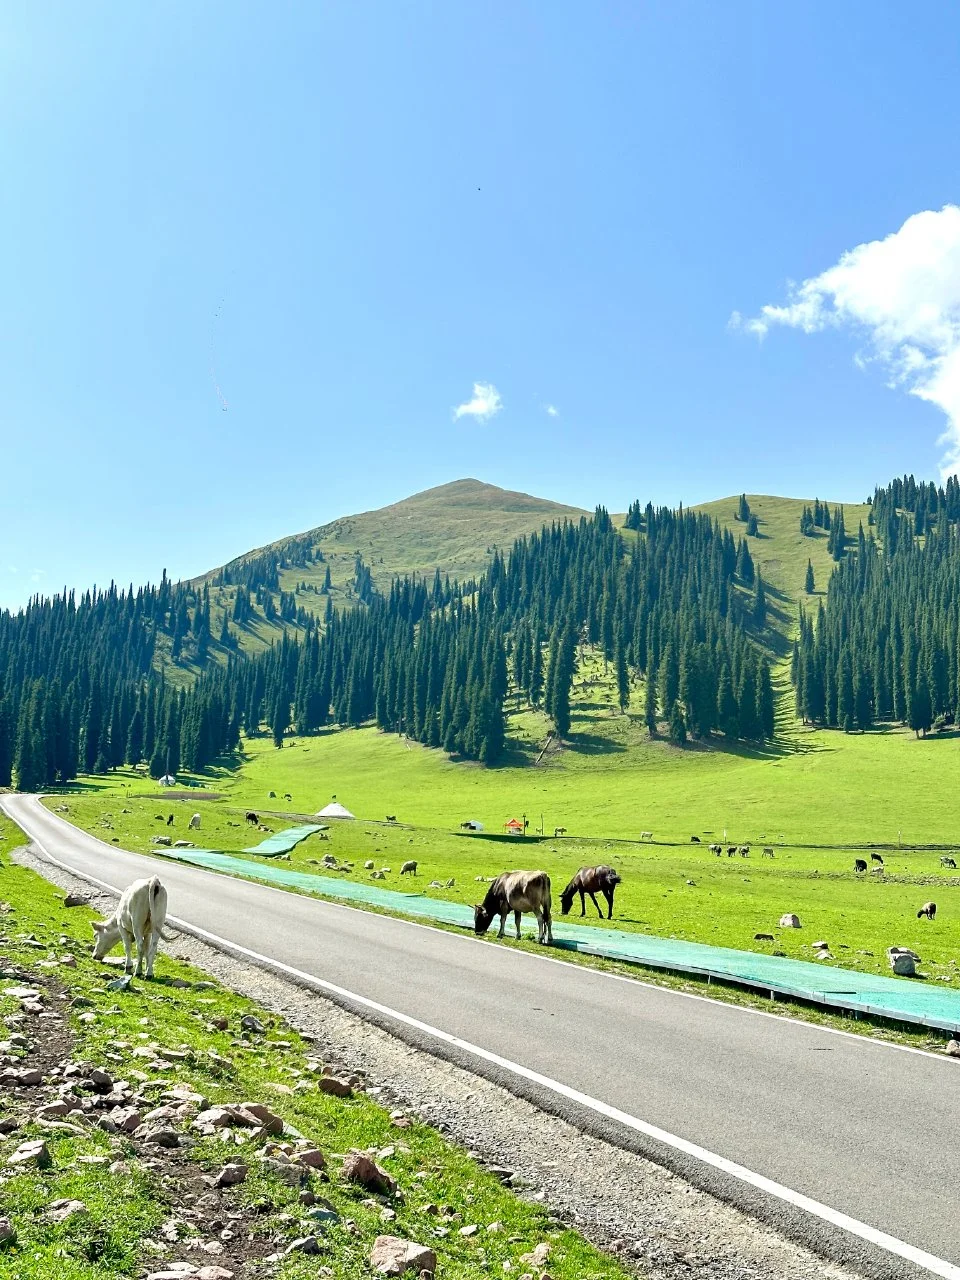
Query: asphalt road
point(865, 1129)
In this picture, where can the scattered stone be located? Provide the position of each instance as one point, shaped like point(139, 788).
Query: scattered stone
point(231, 1174)
point(122, 984)
point(126, 1119)
point(537, 1257)
point(214, 1273)
point(33, 1152)
point(470, 1230)
point(249, 1023)
point(75, 900)
point(306, 1244)
point(953, 1048)
point(7, 1234)
point(391, 1256)
point(358, 1167)
point(763, 937)
point(335, 1086)
point(61, 1210)
point(313, 1158)
point(789, 921)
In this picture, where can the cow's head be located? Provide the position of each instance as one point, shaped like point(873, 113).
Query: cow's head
point(482, 915)
point(566, 900)
point(106, 935)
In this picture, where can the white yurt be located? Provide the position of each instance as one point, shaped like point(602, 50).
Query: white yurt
point(334, 810)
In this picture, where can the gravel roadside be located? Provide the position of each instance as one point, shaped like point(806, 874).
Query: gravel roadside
point(620, 1201)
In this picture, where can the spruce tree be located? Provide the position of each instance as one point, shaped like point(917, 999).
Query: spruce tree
point(809, 585)
point(728, 713)
point(623, 677)
point(678, 729)
point(759, 609)
point(650, 703)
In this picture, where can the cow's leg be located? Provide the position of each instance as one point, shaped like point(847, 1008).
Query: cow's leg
point(539, 914)
point(516, 917)
point(583, 905)
point(503, 924)
point(151, 942)
point(608, 894)
point(593, 899)
point(126, 937)
point(548, 921)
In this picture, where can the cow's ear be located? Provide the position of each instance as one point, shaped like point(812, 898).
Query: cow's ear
point(97, 926)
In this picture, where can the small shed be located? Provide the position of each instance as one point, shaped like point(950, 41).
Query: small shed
point(514, 827)
point(168, 780)
point(335, 810)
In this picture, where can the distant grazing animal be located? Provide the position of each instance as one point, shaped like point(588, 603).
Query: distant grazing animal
point(590, 881)
point(949, 862)
point(138, 920)
point(694, 839)
point(646, 835)
point(408, 869)
point(717, 849)
point(287, 795)
point(391, 817)
point(744, 851)
point(875, 857)
point(559, 831)
point(468, 826)
point(517, 891)
point(768, 851)
point(731, 850)
point(157, 817)
point(929, 909)
point(860, 865)
point(194, 823)
point(170, 820)
point(252, 818)
point(271, 795)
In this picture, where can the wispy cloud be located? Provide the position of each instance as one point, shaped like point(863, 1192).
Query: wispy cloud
point(37, 574)
point(903, 295)
point(552, 410)
point(485, 403)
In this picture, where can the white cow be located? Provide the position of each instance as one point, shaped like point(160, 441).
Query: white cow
point(194, 824)
point(138, 919)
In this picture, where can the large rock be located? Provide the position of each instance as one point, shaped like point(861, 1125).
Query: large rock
point(789, 921)
point(335, 1086)
point(903, 961)
point(8, 1235)
point(231, 1174)
point(391, 1256)
point(61, 1210)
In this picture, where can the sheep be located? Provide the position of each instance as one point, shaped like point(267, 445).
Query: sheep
point(929, 909)
point(409, 868)
point(875, 857)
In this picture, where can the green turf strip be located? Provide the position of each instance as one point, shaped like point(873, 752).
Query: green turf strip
point(903, 1000)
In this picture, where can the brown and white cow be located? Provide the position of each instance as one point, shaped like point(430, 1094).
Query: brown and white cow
point(517, 891)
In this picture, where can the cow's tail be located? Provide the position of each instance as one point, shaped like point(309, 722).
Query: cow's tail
point(155, 888)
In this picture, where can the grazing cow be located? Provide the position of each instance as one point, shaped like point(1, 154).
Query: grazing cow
point(287, 795)
point(715, 848)
point(170, 820)
point(731, 850)
point(194, 823)
point(253, 819)
point(875, 857)
point(590, 881)
point(391, 817)
point(646, 835)
point(744, 851)
point(929, 909)
point(860, 865)
point(694, 839)
point(559, 831)
point(408, 869)
point(469, 826)
point(768, 851)
point(138, 920)
point(949, 862)
point(517, 891)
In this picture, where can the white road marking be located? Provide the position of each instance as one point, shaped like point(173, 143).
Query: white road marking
point(862, 1230)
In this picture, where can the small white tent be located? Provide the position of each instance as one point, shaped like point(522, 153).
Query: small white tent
point(334, 810)
point(168, 780)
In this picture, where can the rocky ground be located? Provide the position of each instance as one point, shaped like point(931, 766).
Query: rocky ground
point(654, 1221)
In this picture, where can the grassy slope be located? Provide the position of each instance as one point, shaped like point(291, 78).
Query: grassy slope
point(453, 527)
point(127, 1206)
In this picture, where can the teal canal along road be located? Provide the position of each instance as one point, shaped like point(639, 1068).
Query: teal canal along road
point(901, 999)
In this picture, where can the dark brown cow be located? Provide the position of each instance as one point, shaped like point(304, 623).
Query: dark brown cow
point(517, 891)
point(588, 882)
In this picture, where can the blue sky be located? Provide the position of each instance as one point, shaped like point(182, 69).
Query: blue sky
point(255, 257)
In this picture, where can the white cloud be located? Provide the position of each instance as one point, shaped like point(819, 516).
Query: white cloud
point(485, 403)
point(552, 410)
point(903, 295)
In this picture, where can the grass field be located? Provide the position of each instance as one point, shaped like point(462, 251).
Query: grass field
point(126, 1205)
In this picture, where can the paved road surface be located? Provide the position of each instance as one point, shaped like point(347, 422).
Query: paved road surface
point(864, 1129)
